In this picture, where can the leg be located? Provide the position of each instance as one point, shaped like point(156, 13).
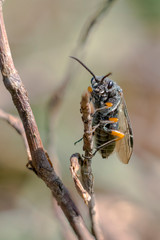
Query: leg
point(111, 120)
point(114, 132)
point(106, 106)
point(78, 141)
point(93, 130)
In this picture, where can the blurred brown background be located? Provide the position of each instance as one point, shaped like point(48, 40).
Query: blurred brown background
point(126, 42)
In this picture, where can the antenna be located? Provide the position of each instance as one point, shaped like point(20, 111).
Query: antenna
point(85, 67)
point(105, 77)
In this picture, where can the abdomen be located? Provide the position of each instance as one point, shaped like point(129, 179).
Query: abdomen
point(101, 137)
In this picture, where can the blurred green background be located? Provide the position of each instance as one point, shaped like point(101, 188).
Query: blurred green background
point(126, 42)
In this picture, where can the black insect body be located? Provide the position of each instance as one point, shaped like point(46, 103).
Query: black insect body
point(111, 124)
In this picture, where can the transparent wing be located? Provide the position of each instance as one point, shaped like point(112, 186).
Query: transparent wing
point(124, 147)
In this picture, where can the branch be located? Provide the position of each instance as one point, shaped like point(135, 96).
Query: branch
point(86, 168)
point(40, 159)
point(86, 190)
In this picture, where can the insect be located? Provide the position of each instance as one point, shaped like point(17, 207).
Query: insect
point(111, 123)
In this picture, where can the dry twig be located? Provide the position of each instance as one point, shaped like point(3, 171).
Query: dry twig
point(86, 168)
point(86, 189)
point(40, 159)
point(74, 169)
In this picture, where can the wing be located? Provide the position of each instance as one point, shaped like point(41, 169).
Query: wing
point(124, 147)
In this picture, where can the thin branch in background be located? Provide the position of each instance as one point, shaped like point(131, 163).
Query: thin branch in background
point(40, 159)
point(16, 123)
point(86, 168)
point(93, 20)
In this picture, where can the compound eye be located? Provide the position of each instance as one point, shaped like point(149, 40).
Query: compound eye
point(110, 84)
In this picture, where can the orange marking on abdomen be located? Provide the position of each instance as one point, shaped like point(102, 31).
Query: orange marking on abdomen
point(113, 119)
point(109, 104)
